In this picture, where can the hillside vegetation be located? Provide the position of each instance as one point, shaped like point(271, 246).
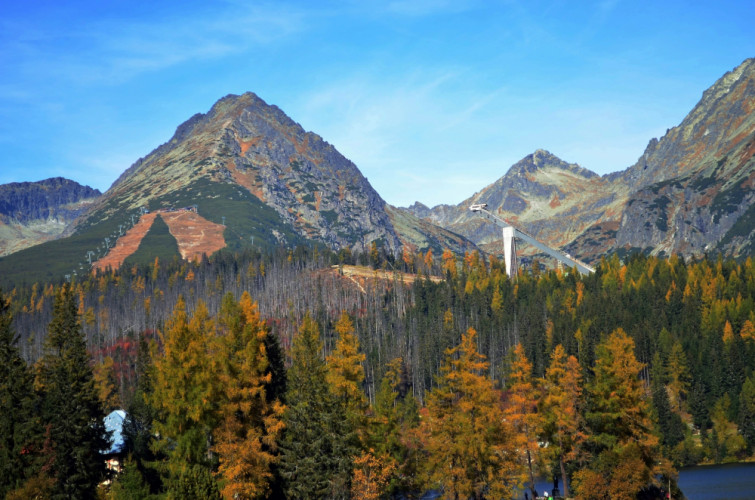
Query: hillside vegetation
point(403, 365)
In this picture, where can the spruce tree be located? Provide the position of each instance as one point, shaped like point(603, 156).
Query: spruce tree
point(394, 418)
point(72, 409)
point(747, 413)
point(316, 458)
point(19, 429)
point(137, 427)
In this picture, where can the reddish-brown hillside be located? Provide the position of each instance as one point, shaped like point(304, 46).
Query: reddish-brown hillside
point(195, 236)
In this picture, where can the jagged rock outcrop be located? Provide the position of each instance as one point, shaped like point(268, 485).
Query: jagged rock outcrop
point(283, 185)
point(693, 188)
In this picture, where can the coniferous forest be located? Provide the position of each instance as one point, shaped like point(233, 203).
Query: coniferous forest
point(281, 375)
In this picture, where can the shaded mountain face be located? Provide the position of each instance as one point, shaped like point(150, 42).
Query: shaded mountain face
point(34, 212)
point(690, 192)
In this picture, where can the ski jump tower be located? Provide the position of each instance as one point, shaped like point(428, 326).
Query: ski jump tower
point(511, 233)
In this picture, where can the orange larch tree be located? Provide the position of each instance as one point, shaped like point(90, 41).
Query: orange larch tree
point(345, 372)
point(470, 447)
point(625, 453)
point(561, 406)
point(246, 438)
point(521, 410)
point(185, 388)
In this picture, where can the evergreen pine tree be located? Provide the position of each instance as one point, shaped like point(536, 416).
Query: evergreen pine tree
point(194, 481)
point(19, 428)
point(395, 417)
point(72, 408)
point(317, 450)
point(747, 413)
point(137, 427)
point(669, 422)
point(129, 484)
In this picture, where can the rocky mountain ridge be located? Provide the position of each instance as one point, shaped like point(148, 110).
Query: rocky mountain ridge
point(689, 193)
point(242, 142)
point(554, 200)
point(247, 167)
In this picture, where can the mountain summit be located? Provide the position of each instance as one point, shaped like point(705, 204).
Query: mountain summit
point(34, 212)
point(245, 146)
point(556, 201)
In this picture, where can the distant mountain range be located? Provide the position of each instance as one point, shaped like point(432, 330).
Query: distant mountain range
point(691, 192)
point(249, 175)
point(35, 212)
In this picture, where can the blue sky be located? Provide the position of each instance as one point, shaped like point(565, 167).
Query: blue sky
point(432, 100)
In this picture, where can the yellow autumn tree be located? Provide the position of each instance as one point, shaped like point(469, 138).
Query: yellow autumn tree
point(345, 373)
point(562, 403)
point(521, 410)
point(625, 453)
point(748, 330)
point(249, 424)
point(104, 380)
point(449, 263)
point(372, 473)
point(471, 450)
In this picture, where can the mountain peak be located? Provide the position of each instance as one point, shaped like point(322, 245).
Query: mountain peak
point(246, 146)
point(542, 159)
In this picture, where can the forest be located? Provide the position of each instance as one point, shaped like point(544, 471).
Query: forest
point(277, 375)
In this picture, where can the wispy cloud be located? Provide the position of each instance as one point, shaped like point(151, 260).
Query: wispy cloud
point(114, 50)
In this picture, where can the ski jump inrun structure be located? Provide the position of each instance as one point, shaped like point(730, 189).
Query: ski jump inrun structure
point(511, 232)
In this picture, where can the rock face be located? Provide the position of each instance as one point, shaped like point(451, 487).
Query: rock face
point(693, 188)
point(244, 143)
point(690, 192)
point(34, 212)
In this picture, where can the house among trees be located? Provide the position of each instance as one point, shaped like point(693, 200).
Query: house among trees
point(114, 427)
